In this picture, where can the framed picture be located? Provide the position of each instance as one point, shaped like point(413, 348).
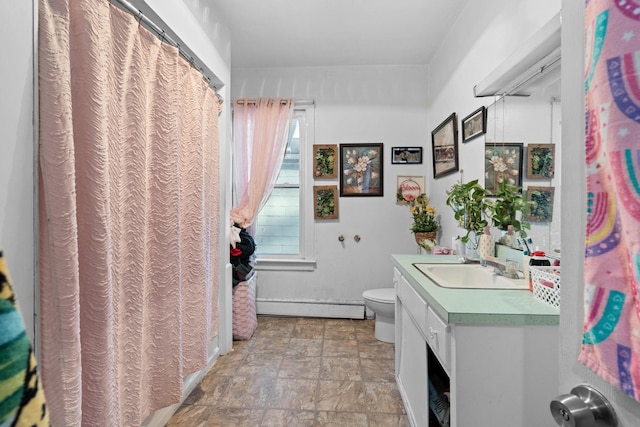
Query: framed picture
point(475, 124)
point(324, 161)
point(502, 161)
point(406, 155)
point(361, 170)
point(444, 143)
point(543, 208)
point(325, 202)
point(409, 188)
point(540, 160)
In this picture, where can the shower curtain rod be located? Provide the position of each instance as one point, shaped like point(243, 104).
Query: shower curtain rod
point(162, 35)
point(283, 101)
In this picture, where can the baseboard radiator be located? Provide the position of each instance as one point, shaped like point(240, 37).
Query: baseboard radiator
point(343, 309)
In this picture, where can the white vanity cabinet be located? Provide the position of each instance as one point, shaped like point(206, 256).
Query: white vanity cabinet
point(500, 373)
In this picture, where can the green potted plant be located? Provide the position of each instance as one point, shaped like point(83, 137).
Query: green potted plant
point(470, 209)
point(510, 208)
point(425, 221)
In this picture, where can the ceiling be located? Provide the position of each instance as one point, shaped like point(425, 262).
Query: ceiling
point(307, 33)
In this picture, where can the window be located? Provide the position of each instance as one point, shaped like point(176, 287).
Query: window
point(284, 232)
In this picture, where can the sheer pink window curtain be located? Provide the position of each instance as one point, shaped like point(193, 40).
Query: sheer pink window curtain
point(260, 129)
point(129, 220)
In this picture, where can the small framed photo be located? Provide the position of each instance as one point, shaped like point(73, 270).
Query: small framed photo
point(540, 160)
point(361, 170)
point(502, 161)
point(475, 124)
point(444, 143)
point(406, 155)
point(325, 161)
point(325, 202)
point(542, 211)
point(409, 188)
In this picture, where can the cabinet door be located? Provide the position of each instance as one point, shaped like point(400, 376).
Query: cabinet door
point(412, 372)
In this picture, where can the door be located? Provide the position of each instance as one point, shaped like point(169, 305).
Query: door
point(573, 373)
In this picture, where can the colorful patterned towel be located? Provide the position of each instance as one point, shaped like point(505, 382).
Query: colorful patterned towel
point(611, 340)
point(22, 400)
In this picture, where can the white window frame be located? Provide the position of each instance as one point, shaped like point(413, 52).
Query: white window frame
point(306, 259)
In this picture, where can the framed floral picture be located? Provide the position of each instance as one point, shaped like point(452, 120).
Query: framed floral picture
point(475, 124)
point(542, 209)
point(540, 160)
point(361, 170)
point(444, 143)
point(325, 202)
point(502, 161)
point(324, 161)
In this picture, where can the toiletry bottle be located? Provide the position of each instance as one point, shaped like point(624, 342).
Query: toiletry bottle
point(538, 258)
point(486, 245)
point(509, 239)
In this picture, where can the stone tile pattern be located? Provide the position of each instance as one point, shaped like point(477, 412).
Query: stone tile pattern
point(300, 372)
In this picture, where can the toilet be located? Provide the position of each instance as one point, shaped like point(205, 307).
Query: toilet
point(383, 303)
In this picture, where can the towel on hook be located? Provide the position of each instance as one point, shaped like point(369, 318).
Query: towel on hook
point(611, 328)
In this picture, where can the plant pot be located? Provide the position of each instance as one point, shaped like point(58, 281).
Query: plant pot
point(425, 235)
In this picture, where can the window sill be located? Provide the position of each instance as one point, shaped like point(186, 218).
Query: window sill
point(275, 264)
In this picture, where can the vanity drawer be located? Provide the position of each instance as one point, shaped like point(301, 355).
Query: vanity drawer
point(413, 303)
point(438, 337)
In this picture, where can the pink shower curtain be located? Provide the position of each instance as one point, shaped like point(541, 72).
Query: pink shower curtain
point(260, 130)
point(128, 216)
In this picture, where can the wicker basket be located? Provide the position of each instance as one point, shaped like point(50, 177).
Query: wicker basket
point(425, 235)
point(546, 284)
point(244, 318)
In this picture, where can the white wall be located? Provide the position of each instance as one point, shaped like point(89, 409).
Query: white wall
point(398, 106)
point(16, 148)
point(484, 35)
point(353, 105)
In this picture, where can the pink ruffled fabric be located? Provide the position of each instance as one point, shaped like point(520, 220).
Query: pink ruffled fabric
point(128, 216)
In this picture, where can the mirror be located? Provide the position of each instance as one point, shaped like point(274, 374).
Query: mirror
point(535, 122)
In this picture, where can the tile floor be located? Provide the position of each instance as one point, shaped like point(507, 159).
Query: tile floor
point(300, 372)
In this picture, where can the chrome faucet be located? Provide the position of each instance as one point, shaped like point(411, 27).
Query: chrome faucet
point(499, 267)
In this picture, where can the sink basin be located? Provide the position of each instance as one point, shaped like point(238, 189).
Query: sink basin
point(468, 276)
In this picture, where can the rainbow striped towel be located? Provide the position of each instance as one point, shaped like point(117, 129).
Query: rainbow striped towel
point(22, 401)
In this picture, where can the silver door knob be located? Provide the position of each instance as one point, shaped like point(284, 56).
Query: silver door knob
point(583, 407)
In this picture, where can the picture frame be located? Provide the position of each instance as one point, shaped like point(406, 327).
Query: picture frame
point(541, 161)
point(502, 160)
point(444, 145)
point(325, 202)
point(475, 124)
point(409, 187)
point(325, 163)
point(406, 155)
point(543, 198)
point(361, 170)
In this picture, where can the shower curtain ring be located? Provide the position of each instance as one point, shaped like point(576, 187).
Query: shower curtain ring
point(139, 17)
point(162, 36)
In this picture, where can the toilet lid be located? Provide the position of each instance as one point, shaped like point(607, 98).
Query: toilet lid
point(387, 295)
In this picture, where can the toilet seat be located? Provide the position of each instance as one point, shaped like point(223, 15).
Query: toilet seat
point(383, 295)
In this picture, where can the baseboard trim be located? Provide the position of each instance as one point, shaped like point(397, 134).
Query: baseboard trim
point(344, 309)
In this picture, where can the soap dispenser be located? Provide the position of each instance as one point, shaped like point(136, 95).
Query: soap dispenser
point(486, 244)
